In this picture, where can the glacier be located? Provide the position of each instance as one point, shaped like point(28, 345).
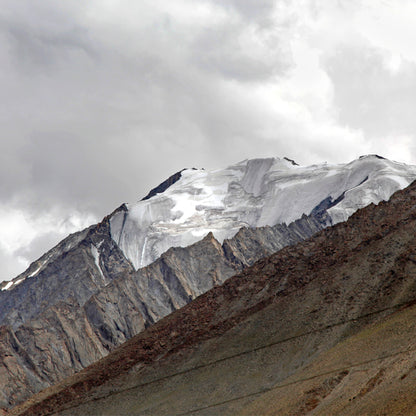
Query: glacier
point(251, 193)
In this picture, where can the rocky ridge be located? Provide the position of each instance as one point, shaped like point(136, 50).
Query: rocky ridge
point(52, 341)
point(322, 327)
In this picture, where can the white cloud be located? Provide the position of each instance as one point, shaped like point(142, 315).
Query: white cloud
point(19, 230)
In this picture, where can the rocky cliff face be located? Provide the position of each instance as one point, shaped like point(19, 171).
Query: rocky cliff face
point(97, 303)
point(76, 268)
point(323, 327)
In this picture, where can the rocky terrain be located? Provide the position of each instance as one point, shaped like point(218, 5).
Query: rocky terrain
point(323, 327)
point(87, 295)
point(40, 343)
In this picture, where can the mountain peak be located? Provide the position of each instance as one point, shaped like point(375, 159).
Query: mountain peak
point(372, 155)
point(251, 193)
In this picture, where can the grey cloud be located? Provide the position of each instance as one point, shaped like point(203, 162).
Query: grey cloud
point(259, 11)
point(40, 36)
point(369, 96)
point(10, 267)
point(34, 50)
point(224, 49)
point(245, 48)
point(39, 246)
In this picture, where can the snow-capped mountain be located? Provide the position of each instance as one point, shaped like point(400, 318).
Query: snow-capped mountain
point(320, 328)
point(100, 286)
point(252, 193)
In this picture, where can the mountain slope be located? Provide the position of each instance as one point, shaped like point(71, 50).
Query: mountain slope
point(323, 327)
point(67, 336)
point(371, 372)
point(86, 296)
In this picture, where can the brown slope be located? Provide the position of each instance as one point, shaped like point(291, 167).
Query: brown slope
point(238, 341)
point(372, 372)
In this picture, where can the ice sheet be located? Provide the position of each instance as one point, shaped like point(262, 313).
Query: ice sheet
point(251, 193)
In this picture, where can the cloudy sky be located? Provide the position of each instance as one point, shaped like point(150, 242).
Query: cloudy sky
point(103, 99)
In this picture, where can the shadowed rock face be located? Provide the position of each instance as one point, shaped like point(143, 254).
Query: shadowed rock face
point(82, 305)
point(326, 326)
point(69, 270)
point(164, 185)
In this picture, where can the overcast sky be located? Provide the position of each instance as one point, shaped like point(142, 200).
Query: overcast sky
point(104, 99)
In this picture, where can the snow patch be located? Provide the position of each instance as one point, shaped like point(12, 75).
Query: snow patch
point(35, 272)
point(95, 253)
point(402, 182)
point(13, 283)
point(17, 282)
point(8, 286)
